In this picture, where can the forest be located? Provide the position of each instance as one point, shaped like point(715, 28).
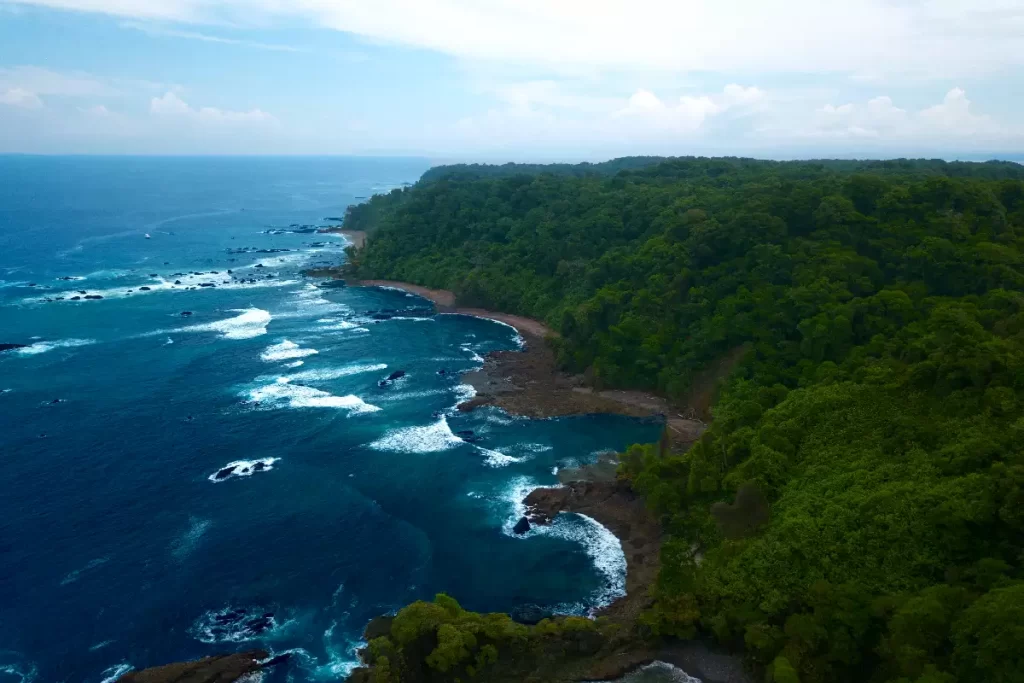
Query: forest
point(855, 511)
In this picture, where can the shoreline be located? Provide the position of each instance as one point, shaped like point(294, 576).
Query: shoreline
point(527, 382)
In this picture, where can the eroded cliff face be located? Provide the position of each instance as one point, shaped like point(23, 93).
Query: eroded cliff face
point(216, 669)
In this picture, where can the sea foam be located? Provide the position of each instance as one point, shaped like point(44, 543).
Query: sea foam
point(284, 394)
point(251, 323)
point(44, 346)
point(286, 350)
point(429, 439)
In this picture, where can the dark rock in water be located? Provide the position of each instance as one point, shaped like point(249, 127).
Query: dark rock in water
point(259, 467)
point(521, 527)
point(207, 284)
point(186, 313)
point(224, 473)
point(442, 372)
point(81, 291)
point(397, 374)
point(214, 272)
point(67, 278)
point(10, 347)
point(258, 265)
point(530, 614)
point(277, 659)
point(467, 435)
point(56, 401)
point(216, 669)
point(144, 289)
point(336, 219)
point(177, 282)
point(153, 275)
point(31, 284)
point(92, 296)
point(76, 298)
point(229, 271)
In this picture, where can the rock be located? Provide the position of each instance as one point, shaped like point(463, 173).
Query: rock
point(82, 291)
point(186, 314)
point(259, 467)
point(207, 284)
point(467, 435)
point(177, 282)
point(92, 296)
point(224, 473)
point(397, 374)
point(530, 614)
point(32, 284)
point(473, 403)
point(67, 278)
point(521, 527)
point(153, 275)
point(379, 626)
point(216, 669)
point(76, 298)
point(442, 372)
point(56, 401)
point(258, 265)
point(229, 272)
point(11, 347)
point(144, 289)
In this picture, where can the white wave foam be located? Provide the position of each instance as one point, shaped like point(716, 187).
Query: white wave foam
point(252, 677)
point(183, 546)
point(430, 439)
point(73, 576)
point(251, 323)
point(497, 458)
point(600, 544)
point(100, 645)
point(656, 671)
point(44, 346)
point(409, 395)
point(25, 672)
point(327, 374)
point(189, 283)
point(295, 364)
point(235, 625)
point(286, 350)
point(240, 468)
point(338, 326)
point(115, 672)
point(283, 394)
point(473, 354)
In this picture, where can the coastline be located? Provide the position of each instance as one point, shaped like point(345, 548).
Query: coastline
point(356, 238)
point(528, 383)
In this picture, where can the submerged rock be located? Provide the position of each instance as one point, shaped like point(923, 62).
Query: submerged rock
point(186, 314)
point(397, 374)
point(11, 347)
point(92, 296)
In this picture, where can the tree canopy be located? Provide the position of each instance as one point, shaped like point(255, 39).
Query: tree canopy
point(856, 509)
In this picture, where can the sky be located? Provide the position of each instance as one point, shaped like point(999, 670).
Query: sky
point(514, 79)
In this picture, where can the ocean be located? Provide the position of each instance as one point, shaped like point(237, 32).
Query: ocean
point(188, 470)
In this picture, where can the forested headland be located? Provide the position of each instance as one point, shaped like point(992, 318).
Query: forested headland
point(855, 512)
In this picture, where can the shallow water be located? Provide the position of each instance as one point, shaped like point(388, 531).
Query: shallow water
point(176, 486)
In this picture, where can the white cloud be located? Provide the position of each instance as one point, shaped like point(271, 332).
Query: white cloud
point(874, 37)
point(43, 81)
point(95, 110)
point(172, 106)
point(152, 29)
point(19, 97)
point(691, 111)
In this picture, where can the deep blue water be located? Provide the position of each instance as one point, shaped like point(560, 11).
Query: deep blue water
point(116, 547)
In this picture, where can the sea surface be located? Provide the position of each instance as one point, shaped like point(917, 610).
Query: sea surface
point(244, 476)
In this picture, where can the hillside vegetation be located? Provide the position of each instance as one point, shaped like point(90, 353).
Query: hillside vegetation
point(856, 510)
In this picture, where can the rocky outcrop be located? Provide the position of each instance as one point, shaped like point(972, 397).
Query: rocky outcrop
point(216, 669)
point(11, 347)
point(614, 505)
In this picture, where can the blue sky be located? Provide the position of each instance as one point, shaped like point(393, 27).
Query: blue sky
point(513, 79)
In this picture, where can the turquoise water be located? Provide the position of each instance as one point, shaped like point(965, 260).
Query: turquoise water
point(175, 486)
